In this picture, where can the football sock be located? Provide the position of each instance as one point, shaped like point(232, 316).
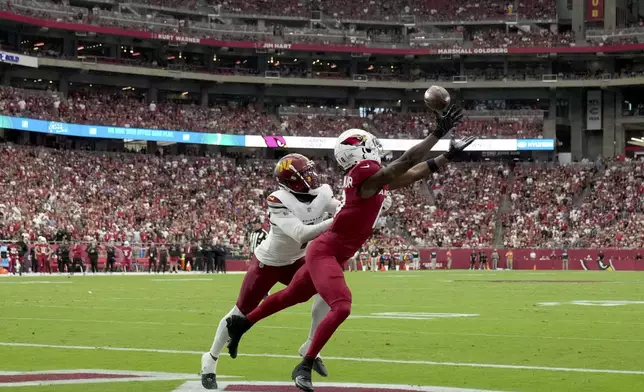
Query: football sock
point(318, 311)
point(336, 316)
point(221, 337)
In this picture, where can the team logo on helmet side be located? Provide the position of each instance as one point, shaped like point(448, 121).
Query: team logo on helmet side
point(284, 165)
point(355, 140)
point(296, 173)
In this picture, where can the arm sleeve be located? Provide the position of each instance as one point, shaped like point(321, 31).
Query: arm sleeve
point(294, 228)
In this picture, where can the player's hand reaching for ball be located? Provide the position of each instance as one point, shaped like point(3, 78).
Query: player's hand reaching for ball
point(457, 147)
point(447, 121)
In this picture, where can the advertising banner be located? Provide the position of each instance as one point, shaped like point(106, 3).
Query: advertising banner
point(594, 110)
point(328, 143)
point(18, 59)
point(595, 10)
point(97, 131)
point(277, 141)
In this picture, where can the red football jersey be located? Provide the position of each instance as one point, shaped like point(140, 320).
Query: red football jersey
point(127, 252)
point(354, 222)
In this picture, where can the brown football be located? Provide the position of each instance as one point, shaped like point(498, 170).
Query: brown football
point(437, 98)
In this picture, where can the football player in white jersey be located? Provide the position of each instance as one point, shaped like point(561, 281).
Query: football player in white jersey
point(300, 211)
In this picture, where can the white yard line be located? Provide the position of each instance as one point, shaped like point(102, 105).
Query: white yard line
point(195, 386)
point(285, 312)
point(342, 330)
point(135, 376)
point(349, 359)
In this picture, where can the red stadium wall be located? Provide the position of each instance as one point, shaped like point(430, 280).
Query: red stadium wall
point(547, 259)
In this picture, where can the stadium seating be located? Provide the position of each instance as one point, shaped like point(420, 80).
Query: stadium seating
point(541, 201)
point(122, 109)
point(457, 209)
point(97, 107)
point(440, 11)
point(134, 197)
point(401, 125)
point(612, 213)
point(496, 38)
point(142, 198)
point(576, 205)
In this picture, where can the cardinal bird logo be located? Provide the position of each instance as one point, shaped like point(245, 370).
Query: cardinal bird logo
point(355, 140)
point(275, 141)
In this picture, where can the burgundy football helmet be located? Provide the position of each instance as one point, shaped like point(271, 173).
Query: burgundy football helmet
point(296, 173)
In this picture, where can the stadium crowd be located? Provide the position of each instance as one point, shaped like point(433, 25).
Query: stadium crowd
point(100, 107)
point(579, 205)
point(126, 110)
point(612, 214)
point(496, 38)
point(143, 198)
point(439, 11)
point(456, 208)
point(411, 125)
point(541, 201)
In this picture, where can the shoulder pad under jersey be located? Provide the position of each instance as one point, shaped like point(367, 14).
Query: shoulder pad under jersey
point(323, 191)
point(273, 200)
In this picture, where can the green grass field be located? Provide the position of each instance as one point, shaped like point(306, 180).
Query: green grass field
point(518, 344)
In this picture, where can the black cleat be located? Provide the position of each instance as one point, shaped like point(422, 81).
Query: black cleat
point(237, 327)
point(319, 368)
point(209, 381)
point(302, 377)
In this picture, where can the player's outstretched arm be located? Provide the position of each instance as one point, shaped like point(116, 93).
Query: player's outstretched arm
point(424, 169)
point(292, 226)
point(411, 157)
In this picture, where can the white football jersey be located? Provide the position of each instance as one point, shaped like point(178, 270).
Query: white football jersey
point(294, 224)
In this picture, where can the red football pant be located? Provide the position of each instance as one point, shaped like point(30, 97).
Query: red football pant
point(260, 279)
point(321, 274)
point(43, 263)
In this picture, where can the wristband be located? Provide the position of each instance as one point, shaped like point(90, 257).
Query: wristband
point(433, 167)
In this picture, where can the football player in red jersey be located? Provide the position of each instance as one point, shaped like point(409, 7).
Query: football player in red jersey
point(127, 257)
point(43, 251)
point(298, 212)
point(14, 259)
point(366, 185)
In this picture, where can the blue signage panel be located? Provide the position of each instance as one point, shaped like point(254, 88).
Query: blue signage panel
point(220, 139)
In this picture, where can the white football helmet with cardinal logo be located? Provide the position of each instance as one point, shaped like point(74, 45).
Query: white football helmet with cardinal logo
point(356, 145)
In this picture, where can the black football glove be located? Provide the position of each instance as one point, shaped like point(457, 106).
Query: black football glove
point(447, 121)
point(457, 147)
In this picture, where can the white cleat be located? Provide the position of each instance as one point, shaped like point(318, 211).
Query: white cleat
point(208, 368)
